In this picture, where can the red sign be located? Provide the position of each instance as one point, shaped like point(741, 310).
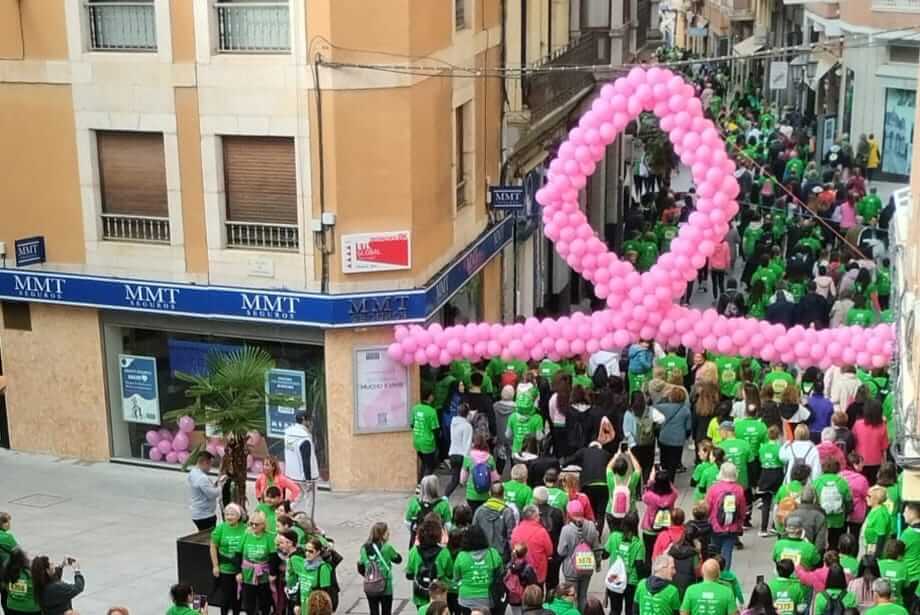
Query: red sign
point(367, 252)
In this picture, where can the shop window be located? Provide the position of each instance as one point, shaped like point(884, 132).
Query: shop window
point(16, 316)
point(260, 183)
point(132, 180)
point(904, 54)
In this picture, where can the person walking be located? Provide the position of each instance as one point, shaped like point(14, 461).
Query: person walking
point(313, 574)
point(720, 261)
point(659, 498)
point(427, 500)
point(579, 549)
point(709, 597)
point(801, 451)
point(256, 547)
point(874, 158)
point(226, 546)
point(375, 563)
point(300, 464)
point(55, 596)
point(476, 567)
point(727, 511)
point(657, 595)
point(496, 520)
point(479, 472)
point(871, 435)
point(884, 600)
point(531, 533)
point(203, 494)
point(675, 429)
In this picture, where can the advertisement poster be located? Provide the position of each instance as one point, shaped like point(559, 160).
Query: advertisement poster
point(140, 401)
point(288, 382)
point(900, 106)
point(381, 392)
point(367, 252)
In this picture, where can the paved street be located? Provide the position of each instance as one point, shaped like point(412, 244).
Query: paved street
point(122, 522)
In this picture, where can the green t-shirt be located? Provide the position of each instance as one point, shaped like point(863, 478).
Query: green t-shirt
point(728, 367)
point(730, 580)
point(441, 507)
point(471, 493)
point(666, 234)
point(825, 487)
point(473, 572)
point(708, 598)
point(424, 422)
point(822, 600)
point(549, 368)
point(793, 488)
point(673, 364)
point(229, 539)
point(310, 578)
point(257, 550)
point(648, 254)
point(704, 476)
point(558, 498)
point(663, 602)
point(794, 168)
point(7, 544)
point(753, 431)
point(631, 552)
point(766, 275)
point(882, 281)
point(523, 425)
point(21, 596)
point(777, 381)
point(583, 381)
point(893, 504)
point(896, 572)
point(788, 595)
point(632, 483)
point(887, 609)
point(180, 610)
point(271, 524)
point(739, 453)
point(849, 564)
point(862, 318)
point(384, 556)
point(496, 367)
point(876, 527)
point(561, 606)
point(518, 494)
point(769, 455)
point(800, 551)
point(911, 539)
point(752, 235)
point(443, 564)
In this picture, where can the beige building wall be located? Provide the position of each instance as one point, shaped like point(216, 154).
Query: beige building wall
point(56, 385)
point(863, 13)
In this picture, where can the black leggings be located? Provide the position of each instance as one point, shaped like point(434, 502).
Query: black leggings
point(380, 605)
point(456, 464)
point(257, 599)
point(671, 457)
point(226, 587)
point(205, 524)
point(618, 601)
point(427, 464)
point(766, 504)
point(598, 496)
point(718, 282)
point(645, 455)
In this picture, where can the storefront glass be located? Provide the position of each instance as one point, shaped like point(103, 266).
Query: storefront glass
point(143, 387)
point(900, 106)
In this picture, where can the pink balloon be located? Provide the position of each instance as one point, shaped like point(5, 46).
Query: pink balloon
point(180, 442)
point(182, 456)
point(165, 434)
point(152, 437)
point(164, 446)
point(186, 424)
point(155, 454)
point(172, 457)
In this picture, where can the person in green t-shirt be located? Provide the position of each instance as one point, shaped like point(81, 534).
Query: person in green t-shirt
point(709, 597)
point(226, 547)
point(751, 429)
point(910, 536)
point(789, 595)
point(428, 556)
point(548, 369)
point(517, 491)
point(737, 451)
point(475, 568)
point(794, 547)
point(256, 547)
point(777, 380)
point(877, 526)
point(657, 595)
point(625, 542)
point(705, 472)
point(835, 589)
point(428, 500)
point(869, 207)
point(479, 454)
point(17, 580)
point(564, 599)
point(771, 477)
point(673, 364)
point(524, 422)
point(884, 599)
point(7, 540)
point(423, 421)
point(379, 551)
point(835, 499)
point(312, 572)
point(729, 371)
point(271, 500)
point(892, 567)
point(183, 597)
point(648, 252)
point(622, 471)
point(752, 235)
point(860, 314)
point(558, 497)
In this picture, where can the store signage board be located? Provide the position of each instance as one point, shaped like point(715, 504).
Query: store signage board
point(507, 198)
point(381, 391)
point(140, 399)
point(252, 304)
point(370, 252)
point(288, 382)
point(30, 251)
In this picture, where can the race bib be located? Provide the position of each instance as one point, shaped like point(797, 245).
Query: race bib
point(584, 560)
point(662, 519)
point(728, 504)
point(784, 605)
point(728, 375)
point(795, 556)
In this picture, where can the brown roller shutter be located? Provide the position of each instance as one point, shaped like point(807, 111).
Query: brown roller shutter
point(260, 179)
point(132, 173)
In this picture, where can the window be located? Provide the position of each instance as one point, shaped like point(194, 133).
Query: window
point(595, 14)
point(244, 26)
point(459, 15)
point(132, 178)
point(16, 316)
point(904, 54)
point(459, 154)
point(117, 25)
point(260, 180)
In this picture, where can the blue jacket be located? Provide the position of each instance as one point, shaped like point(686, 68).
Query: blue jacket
point(676, 426)
point(821, 410)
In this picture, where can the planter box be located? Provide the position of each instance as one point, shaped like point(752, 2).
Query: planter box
point(193, 563)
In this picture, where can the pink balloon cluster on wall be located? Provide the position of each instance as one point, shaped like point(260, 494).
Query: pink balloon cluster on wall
point(642, 306)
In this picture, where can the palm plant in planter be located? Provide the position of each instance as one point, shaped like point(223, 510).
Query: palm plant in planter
point(230, 397)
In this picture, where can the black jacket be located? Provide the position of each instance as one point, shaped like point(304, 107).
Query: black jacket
point(58, 596)
point(685, 561)
point(480, 402)
point(593, 462)
point(813, 308)
point(781, 312)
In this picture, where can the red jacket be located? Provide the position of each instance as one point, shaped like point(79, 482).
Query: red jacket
point(539, 546)
point(714, 499)
point(667, 538)
point(289, 489)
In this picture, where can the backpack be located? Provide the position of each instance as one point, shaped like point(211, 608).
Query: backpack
point(482, 477)
point(375, 573)
point(645, 429)
point(799, 461)
point(731, 307)
point(427, 572)
point(728, 506)
point(516, 581)
point(481, 425)
point(662, 519)
point(615, 580)
point(423, 509)
point(830, 498)
point(582, 558)
point(834, 604)
point(785, 507)
point(620, 500)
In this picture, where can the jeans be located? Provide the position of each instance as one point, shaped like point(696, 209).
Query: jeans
point(207, 523)
point(456, 464)
point(618, 601)
point(724, 542)
point(380, 605)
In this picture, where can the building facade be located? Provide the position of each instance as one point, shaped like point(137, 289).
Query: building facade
point(204, 176)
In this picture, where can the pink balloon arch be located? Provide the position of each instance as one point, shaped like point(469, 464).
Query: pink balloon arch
point(643, 306)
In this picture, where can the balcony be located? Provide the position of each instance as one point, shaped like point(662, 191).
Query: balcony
point(253, 27)
point(144, 229)
point(907, 6)
point(260, 236)
point(545, 91)
point(122, 26)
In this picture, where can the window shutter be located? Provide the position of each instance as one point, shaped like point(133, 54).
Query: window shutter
point(260, 179)
point(132, 173)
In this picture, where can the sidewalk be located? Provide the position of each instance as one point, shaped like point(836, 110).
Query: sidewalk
point(122, 522)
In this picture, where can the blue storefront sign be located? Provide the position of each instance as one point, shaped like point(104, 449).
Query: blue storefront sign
point(288, 382)
point(30, 251)
point(140, 400)
point(255, 305)
point(506, 197)
point(191, 357)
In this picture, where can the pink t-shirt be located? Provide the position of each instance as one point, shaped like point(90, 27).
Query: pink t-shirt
point(871, 441)
point(859, 487)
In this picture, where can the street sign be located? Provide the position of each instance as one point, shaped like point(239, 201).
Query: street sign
point(507, 197)
point(30, 251)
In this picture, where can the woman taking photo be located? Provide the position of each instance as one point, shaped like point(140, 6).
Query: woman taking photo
point(638, 428)
point(226, 542)
point(256, 547)
point(18, 587)
point(272, 476)
point(761, 602)
point(54, 595)
point(379, 552)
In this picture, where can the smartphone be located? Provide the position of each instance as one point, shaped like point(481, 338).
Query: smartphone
point(760, 578)
point(199, 601)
